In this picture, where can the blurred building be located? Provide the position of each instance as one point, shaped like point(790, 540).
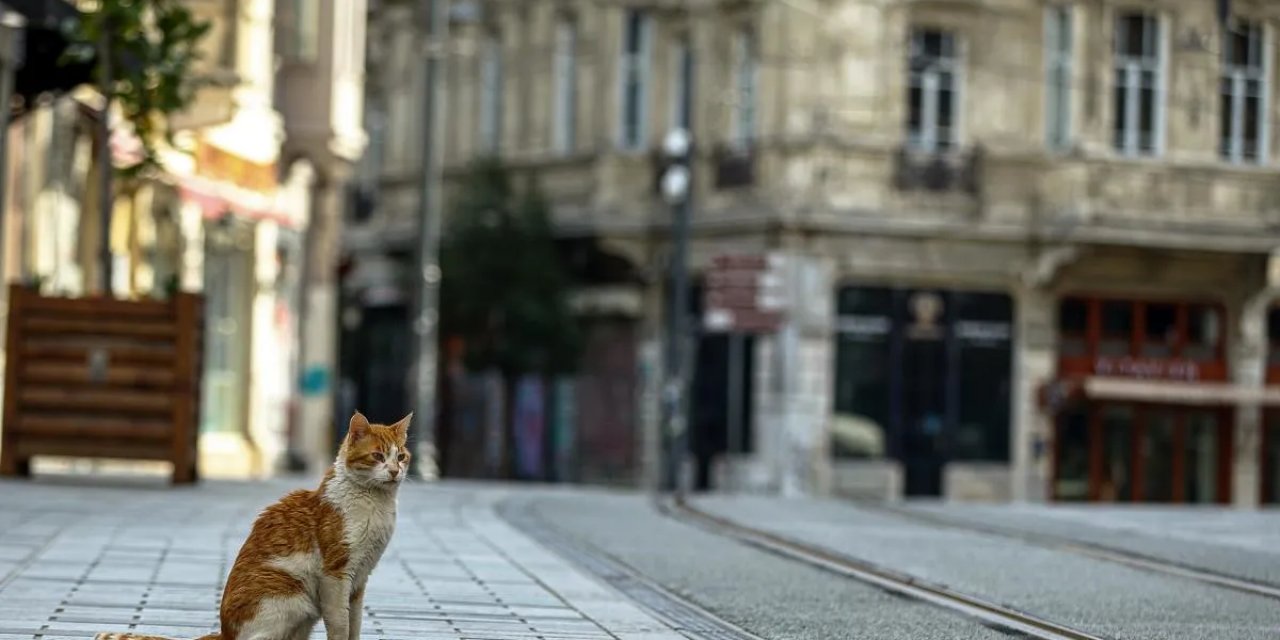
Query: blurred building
point(225, 218)
point(1040, 233)
point(320, 93)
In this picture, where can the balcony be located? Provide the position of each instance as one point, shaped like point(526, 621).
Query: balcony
point(937, 172)
point(734, 167)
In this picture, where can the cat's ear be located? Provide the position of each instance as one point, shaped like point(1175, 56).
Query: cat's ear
point(358, 427)
point(402, 428)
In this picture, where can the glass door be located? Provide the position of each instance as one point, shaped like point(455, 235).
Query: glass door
point(1157, 455)
point(1202, 454)
point(1116, 460)
point(1271, 458)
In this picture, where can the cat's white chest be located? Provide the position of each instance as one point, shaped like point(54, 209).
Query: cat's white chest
point(368, 524)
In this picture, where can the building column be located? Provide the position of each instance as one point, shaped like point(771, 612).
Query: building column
point(1248, 361)
point(1034, 364)
point(793, 388)
point(318, 344)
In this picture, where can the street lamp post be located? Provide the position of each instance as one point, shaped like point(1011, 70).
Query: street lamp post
point(426, 302)
point(676, 187)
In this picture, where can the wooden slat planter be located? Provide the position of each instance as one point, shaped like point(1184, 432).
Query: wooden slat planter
point(101, 378)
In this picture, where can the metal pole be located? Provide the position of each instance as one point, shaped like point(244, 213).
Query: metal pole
point(675, 430)
point(426, 312)
point(10, 59)
point(736, 374)
point(104, 158)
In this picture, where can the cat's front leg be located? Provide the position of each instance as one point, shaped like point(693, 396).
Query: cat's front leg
point(335, 607)
point(357, 612)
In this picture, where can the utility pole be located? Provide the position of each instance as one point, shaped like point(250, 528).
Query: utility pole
point(676, 185)
point(426, 308)
point(104, 156)
point(11, 58)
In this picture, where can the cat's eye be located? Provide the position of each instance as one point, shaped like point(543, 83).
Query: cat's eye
point(379, 457)
point(401, 457)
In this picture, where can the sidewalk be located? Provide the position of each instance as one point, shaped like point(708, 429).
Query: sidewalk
point(77, 559)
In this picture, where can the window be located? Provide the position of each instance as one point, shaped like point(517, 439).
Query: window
point(1160, 333)
point(1139, 85)
point(635, 79)
point(1204, 333)
point(744, 79)
point(1244, 91)
point(682, 92)
point(566, 85)
point(491, 95)
point(1073, 325)
point(932, 100)
point(864, 359)
point(302, 17)
point(1058, 50)
point(1117, 328)
point(984, 373)
point(1273, 336)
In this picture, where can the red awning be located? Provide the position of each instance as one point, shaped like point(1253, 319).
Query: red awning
point(216, 199)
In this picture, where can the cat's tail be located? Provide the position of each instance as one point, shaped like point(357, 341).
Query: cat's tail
point(130, 636)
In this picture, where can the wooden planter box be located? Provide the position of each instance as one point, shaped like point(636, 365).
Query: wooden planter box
point(101, 378)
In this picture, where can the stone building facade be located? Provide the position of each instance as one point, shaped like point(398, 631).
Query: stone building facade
point(1040, 233)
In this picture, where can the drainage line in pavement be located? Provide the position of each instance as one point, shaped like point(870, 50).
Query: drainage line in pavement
point(1093, 550)
point(989, 614)
point(685, 617)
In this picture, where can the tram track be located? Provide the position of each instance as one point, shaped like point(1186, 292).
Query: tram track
point(987, 613)
point(1095, 551)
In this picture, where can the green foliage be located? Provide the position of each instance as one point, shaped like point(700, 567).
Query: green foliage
point(505, 291)
point(153, 44)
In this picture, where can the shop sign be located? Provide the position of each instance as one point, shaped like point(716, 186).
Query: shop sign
point(864, 326)
point(983, 333)
point(1147, 368)
point(744, 294)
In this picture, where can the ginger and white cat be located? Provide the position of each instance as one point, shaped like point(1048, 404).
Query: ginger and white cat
point(310, 554)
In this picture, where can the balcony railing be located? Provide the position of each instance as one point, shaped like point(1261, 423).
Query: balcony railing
point(937, 172)
point(734, 167)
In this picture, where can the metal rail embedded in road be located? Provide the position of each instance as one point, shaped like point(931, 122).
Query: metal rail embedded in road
point(1096, 551)
point(988, 613)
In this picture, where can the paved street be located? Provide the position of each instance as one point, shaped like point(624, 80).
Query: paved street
point(1092, 595)
point(76, 559)
point(502, 562)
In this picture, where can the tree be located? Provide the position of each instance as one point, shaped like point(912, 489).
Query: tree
point(142, 52)
point(505, 291)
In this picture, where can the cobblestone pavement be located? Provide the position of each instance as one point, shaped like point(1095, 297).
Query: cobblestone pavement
point(78, 559)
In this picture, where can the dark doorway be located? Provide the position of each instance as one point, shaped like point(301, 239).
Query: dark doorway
point(924, 392)
point(711, 414)
point(376, 361)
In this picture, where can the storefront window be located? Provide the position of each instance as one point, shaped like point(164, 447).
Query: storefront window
point(1201, 476)
point(1160, 330)
point(1157, 456)
point(1117, 459)
point(1072, 450)
point(1073, 324)
point(863, 375)
point(983, 332)
point(1204, 333)
point(1271, 460)
point(1273, 337)
point(1117, 328)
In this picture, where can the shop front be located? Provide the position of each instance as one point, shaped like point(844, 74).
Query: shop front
point(1143, 405)
point(1269, 442)
point(922, 377)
